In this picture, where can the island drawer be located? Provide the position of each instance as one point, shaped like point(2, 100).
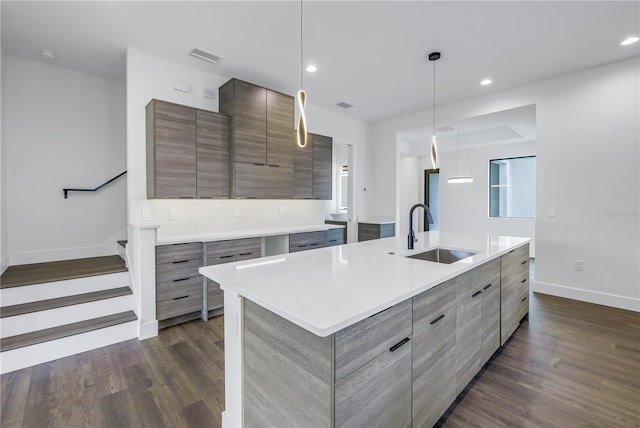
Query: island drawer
point(178, 252)
point(429, 305)
point(517, 257)
point(362, 342)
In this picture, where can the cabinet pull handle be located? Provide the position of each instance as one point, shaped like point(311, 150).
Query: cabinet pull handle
point(226, 257)
point(510, 251)
point(274, 166)
point(180, 261)
point(437, 319)
point(487, 286)
point(377, 313)
point(333, 240)
point(314, 243)
point(180, 279)
point(181, 297)
point(523, 299)
point(244, 254)
point(258, 164)
point(476, 293)
point(399, 344)
point(523, 281)
point(523, 262)
point(301, 246)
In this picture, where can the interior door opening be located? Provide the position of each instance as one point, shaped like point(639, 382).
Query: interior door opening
point(432, 197)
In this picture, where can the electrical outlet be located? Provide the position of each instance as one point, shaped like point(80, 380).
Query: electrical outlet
point(146, 215)
point(552, 212)
point(281, 210)
point(578, 265)
point(173, 214)
point(236, 212)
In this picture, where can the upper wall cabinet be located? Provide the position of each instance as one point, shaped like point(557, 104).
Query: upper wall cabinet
point(312, 171)
point(262, 140)
point(213, 149)
point(171, 150)
point(188, 152)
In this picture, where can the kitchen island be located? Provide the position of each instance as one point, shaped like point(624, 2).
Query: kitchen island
point(360, 334)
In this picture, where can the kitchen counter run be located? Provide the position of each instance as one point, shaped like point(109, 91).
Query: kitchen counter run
point(328, 289)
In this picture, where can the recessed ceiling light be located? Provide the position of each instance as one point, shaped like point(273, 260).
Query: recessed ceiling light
point(46, 54)
point(312, 68)
point(629, 41)
point(486, 82)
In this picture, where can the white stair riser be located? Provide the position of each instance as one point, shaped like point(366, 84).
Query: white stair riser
point(19, 324)
point(28, 356)
point(51, 290)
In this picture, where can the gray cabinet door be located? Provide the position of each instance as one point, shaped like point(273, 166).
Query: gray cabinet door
point(303, 170)
point(378, 394)
point(249, 122)
point(514, 277)
point(490, 319)
point(171, 150)
point(178, 282)
point(322, 159)
point(280, 131)
point(469, 330)
point(213, 151)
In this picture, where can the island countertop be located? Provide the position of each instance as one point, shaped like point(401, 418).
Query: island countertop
point(328, 289)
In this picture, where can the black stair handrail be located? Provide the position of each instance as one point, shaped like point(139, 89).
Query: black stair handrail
point(93, 190)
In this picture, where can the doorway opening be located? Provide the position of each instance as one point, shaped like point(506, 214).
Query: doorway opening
point(432, 197)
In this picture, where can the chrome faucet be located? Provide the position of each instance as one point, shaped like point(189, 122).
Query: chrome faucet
point(412, 236)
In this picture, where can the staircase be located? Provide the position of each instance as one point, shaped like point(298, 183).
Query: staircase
point(56, 309)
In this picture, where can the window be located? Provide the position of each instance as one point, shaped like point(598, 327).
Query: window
point(512, 187)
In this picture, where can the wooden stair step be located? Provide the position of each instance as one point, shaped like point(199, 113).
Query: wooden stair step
point(40, 336)
point(38, 273)
point(43, 305)
point(123, 243)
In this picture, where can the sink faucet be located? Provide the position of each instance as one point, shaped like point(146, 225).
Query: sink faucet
point(412, 236)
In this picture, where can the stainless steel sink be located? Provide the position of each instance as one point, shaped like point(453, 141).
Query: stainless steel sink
point(443, 255)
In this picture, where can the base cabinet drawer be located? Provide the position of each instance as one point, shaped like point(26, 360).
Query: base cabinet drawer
point(307, 241)
point(514, 285)
point(377, 394)
point(186, 302)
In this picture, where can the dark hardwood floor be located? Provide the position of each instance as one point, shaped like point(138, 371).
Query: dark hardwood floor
point(572, 364)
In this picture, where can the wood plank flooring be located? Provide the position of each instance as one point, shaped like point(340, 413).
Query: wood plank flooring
point(572, 364)
point(37, 273)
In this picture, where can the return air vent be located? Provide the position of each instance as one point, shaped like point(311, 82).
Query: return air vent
point(344, 105)
point(205, 56)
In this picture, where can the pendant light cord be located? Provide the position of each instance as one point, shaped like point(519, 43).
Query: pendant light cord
point(301, 51)
point(434, 98)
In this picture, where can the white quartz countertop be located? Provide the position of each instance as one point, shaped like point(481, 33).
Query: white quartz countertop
point(328, 289)
point(239, 234)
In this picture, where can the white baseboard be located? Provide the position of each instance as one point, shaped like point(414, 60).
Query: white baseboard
point(107, 248)
point(227, 422)
point(4, 263)
point(147, 330)
point(589, 296)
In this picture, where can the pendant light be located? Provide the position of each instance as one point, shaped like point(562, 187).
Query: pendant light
point(457, 177)
point(434, 56)
point(301, 98)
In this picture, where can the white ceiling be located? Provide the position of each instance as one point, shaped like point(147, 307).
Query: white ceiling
point(371, 54)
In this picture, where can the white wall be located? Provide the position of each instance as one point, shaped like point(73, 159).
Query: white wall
point(588, 164)
point(4, 241)
point(62, 128)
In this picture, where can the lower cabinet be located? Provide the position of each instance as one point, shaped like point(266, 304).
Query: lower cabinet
point(514, 298)
point(369, 231)
point(178, 282)
point(336, 237)
point(434, 344)
point(228, 251)
point(307, 241)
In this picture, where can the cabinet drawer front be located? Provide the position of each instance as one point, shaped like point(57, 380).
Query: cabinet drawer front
point(168, 290)
point(299, 247)
point(476, 279)
point(233, 247)
point(378, 394)
point(367, 232)
point(360, 343)
point(178, 252)
point(387, 230)
point(335, 236)
point(183, 305)
point(307, 238)
point(248, 256)
point(517, 256)
point(215, 300)
point(177, 270)
point(433, 303)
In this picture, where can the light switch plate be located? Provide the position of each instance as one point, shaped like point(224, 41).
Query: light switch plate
point(146, 215)
point(173, 214)
point(236, 212)
point(552, 212)
point(281, 210)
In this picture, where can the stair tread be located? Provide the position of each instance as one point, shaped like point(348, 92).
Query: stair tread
point(40, 336)
point(59, 302)
point(38, 273)
point(123, 243)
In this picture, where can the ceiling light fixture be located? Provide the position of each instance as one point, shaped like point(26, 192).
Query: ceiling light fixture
point(312, 68)
point(301, 134)
point(457, 178)
point(47, 54)
point(629, 41)
point(434, 56)
point(486, 82)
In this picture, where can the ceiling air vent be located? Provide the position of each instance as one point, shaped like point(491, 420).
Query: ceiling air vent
point(344, 105)
point(205, 56)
